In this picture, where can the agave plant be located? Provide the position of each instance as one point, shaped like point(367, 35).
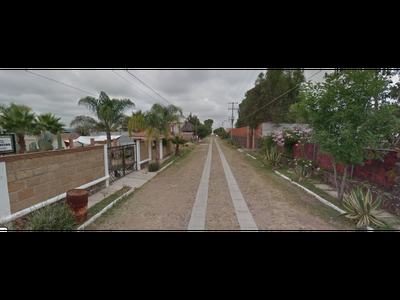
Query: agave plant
point(360, 207)
point(303, 173)
point(273, 158)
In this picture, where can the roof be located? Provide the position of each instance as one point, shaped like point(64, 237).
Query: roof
point(85, 140)
point(142, 135)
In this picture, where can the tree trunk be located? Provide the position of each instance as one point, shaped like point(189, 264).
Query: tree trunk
point(343, 187)
point(177, 150)
point(335, 179)
point(157, 151)
point(21, 143)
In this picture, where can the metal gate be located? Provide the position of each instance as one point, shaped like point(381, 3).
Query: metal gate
point(121, 161)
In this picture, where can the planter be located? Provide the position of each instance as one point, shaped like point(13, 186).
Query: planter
point(78, 201)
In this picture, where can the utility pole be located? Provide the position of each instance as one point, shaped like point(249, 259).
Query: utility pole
point(233, 118)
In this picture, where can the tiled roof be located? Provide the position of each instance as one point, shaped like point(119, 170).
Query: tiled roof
point(143, 135)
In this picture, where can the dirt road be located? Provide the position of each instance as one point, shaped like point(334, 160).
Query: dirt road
point(167, 201)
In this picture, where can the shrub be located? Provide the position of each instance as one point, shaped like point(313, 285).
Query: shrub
point(288, 138)
point(154, 167)
point(303, 173)
point(359, 207)
point(272, 158)
point(56, 217)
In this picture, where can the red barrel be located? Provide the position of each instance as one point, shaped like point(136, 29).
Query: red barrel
point(78, 200)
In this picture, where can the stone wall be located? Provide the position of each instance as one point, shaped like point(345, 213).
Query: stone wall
point(37, 177)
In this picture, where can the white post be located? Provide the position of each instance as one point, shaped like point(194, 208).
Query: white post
point(138, 159)
point(106, 164)
point(150, 146)
point(5, 209)
point(161, 149)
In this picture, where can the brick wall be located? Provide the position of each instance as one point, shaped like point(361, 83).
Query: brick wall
point(37, 177)
point(374, 170)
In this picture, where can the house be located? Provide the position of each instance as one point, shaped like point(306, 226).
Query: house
point(146, 154)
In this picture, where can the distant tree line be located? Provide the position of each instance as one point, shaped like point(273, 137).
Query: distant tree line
point(284, 83)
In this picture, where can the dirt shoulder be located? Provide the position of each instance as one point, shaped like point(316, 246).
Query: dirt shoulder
point(275, 203)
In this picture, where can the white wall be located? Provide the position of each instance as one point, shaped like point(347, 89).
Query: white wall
point(268, 128)
point(5, 209)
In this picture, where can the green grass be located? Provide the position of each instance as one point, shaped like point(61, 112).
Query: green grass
point(98, 207)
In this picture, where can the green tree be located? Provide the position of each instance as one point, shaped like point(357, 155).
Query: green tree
point(343, 118)
point(219, 130)
point(83, 125)
point(203, 131)
point(193, 119)
point(272, 97)
point(108, 111)
point(49, 122)
point(156, 123)
point(20, 120)
point(209, 122)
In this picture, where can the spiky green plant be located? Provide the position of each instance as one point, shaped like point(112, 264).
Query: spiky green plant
point(360, 207)
point(272, 158)
point(303, 173)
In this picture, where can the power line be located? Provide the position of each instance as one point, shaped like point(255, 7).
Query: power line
point(67, 85)
point(135, 86)
point(127, 70)
point(240, 84)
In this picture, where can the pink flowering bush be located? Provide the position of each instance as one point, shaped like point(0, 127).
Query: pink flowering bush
point(288, 138)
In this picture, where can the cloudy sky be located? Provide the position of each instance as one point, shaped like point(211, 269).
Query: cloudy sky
point(205, 93)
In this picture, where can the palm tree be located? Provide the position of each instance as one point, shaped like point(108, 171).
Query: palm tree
point(49, 122)
point(136, 123)
point(178, 141)
point(20, 120)
point(109, 111)
point(157, 123)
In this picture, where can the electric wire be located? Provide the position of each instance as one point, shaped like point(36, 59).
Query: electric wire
point(136, 87)
point(67, 85)
point(127, 70)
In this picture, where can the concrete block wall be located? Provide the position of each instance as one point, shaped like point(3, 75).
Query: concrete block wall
point(36, 177)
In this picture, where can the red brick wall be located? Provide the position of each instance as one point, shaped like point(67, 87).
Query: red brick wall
point(374, 170)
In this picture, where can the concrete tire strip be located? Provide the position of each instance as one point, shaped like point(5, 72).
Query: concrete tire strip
point(198, 219)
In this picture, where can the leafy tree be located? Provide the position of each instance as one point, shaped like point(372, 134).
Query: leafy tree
point(84, 125)
point(203, 131)
point(193, 119)
point(343, 118)
point(49, 122)
point(209, 123)
point(272, 97)
point(20, 120)
point(109, 111)
point(219, 130)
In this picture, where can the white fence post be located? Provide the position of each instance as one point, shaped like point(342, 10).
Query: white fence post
point(5, 209)
point(106, 164)
point(139, 167)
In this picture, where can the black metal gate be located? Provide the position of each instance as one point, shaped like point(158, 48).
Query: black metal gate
point(121, 161)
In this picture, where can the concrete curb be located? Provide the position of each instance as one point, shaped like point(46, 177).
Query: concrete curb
point(82, 227)
point(326, 202)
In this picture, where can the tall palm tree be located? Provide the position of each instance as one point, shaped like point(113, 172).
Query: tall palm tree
point(20, 120)
point(50, 123)
point(109, 111)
